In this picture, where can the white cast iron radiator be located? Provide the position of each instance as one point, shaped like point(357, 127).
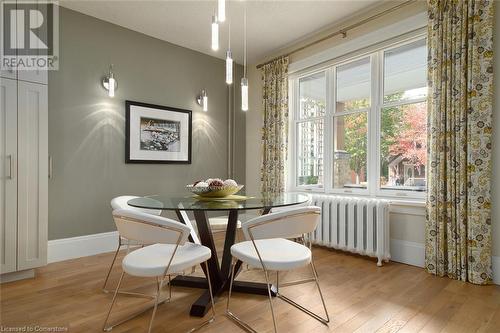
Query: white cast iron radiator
point(354, 224)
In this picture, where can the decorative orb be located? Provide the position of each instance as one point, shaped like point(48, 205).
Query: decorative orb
point(230, 182)
point(216, 183)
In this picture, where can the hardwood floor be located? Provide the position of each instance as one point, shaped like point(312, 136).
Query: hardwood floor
point(360, 296)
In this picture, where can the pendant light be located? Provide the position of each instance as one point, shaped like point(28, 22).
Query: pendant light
point(229, 60)
point(221, 10)
point(244, 80)
point(215, 33)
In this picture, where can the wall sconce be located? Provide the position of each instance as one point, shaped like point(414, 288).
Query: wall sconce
point(110, 83)
point(202, 100)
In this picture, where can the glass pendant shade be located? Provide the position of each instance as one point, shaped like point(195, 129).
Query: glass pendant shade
point(221, 10)
point(229, 67)
point(244, 94)
point(215, 33)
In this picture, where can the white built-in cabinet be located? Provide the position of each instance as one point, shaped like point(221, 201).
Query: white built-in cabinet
point(23, 170)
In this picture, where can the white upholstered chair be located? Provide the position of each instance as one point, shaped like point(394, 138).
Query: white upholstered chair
point(121, 203)
point(285, 208)
point(268, 248)
point(169, 254)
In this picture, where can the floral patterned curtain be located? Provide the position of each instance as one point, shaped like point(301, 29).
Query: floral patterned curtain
point(275, 125)
point(460, 64)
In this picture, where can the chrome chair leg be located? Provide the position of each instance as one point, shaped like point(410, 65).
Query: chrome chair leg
point(230, 285)
point(322, 320)
point(231, 315)
point(210, 290)
point(111, 267)
point(240, 322)
point(269, 285)
point(117, 292)
point(319, 290)
point(211, 319)
point(104, 328)
point(158, 289)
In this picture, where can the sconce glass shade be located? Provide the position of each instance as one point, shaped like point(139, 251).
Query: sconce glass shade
point(244, 94)
point(221, 4)
point(205, 103)
point(203, 100)
point(109, 83)
point(111, 87)
point(229, 67)
point(215, 33)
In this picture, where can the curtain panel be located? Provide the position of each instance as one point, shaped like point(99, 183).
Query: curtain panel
point(460, 65)
point(275, 125)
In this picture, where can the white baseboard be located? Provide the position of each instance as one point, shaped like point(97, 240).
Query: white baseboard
point(82, 246)
point(412, 253)
point(407, 252)
point(402, 251)
point(15, 276)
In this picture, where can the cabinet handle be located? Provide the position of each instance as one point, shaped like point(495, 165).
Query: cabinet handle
point(50, 167)
point(11, 167)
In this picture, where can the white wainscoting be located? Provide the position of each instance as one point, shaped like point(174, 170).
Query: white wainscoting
point(412, 253)
point(407, 252)
point(402, 251)
point(82, 246)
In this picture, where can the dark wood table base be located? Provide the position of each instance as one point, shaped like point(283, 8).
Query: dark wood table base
point(202, 304)
point(219, 274)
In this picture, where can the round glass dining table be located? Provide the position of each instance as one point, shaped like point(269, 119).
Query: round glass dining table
point(219, 273)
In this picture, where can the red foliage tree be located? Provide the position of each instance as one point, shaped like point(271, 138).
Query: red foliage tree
point(411, 141)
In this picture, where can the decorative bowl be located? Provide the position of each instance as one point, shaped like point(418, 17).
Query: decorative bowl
point(215, 191)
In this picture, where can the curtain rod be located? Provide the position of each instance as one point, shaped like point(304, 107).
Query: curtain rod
point(342, 32)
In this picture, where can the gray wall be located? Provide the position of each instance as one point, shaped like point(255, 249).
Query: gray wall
point(86, 127)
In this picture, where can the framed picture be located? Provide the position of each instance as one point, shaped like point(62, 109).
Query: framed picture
point(157, 134)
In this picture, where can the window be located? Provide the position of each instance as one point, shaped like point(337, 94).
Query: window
point(403, 134)
point(350, 124)
point(310, 129)
point(360, 126)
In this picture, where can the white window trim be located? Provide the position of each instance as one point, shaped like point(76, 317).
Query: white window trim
point(373, 155)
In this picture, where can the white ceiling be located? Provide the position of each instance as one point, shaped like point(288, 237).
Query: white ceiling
point(271, 24)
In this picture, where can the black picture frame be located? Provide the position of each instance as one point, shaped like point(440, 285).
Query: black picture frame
point(128, 159)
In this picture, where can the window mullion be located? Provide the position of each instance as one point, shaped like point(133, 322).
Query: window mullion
point(292, 140)
point(346, 113)
point(374, 125)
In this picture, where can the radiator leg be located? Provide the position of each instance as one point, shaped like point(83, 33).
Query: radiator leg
point(379, 262)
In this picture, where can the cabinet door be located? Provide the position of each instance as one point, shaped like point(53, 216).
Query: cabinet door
point(10, 73)
point(32, 213)
point(37, 76)
point(8, 174)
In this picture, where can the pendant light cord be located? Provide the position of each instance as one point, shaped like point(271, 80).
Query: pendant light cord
point(245, 41)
